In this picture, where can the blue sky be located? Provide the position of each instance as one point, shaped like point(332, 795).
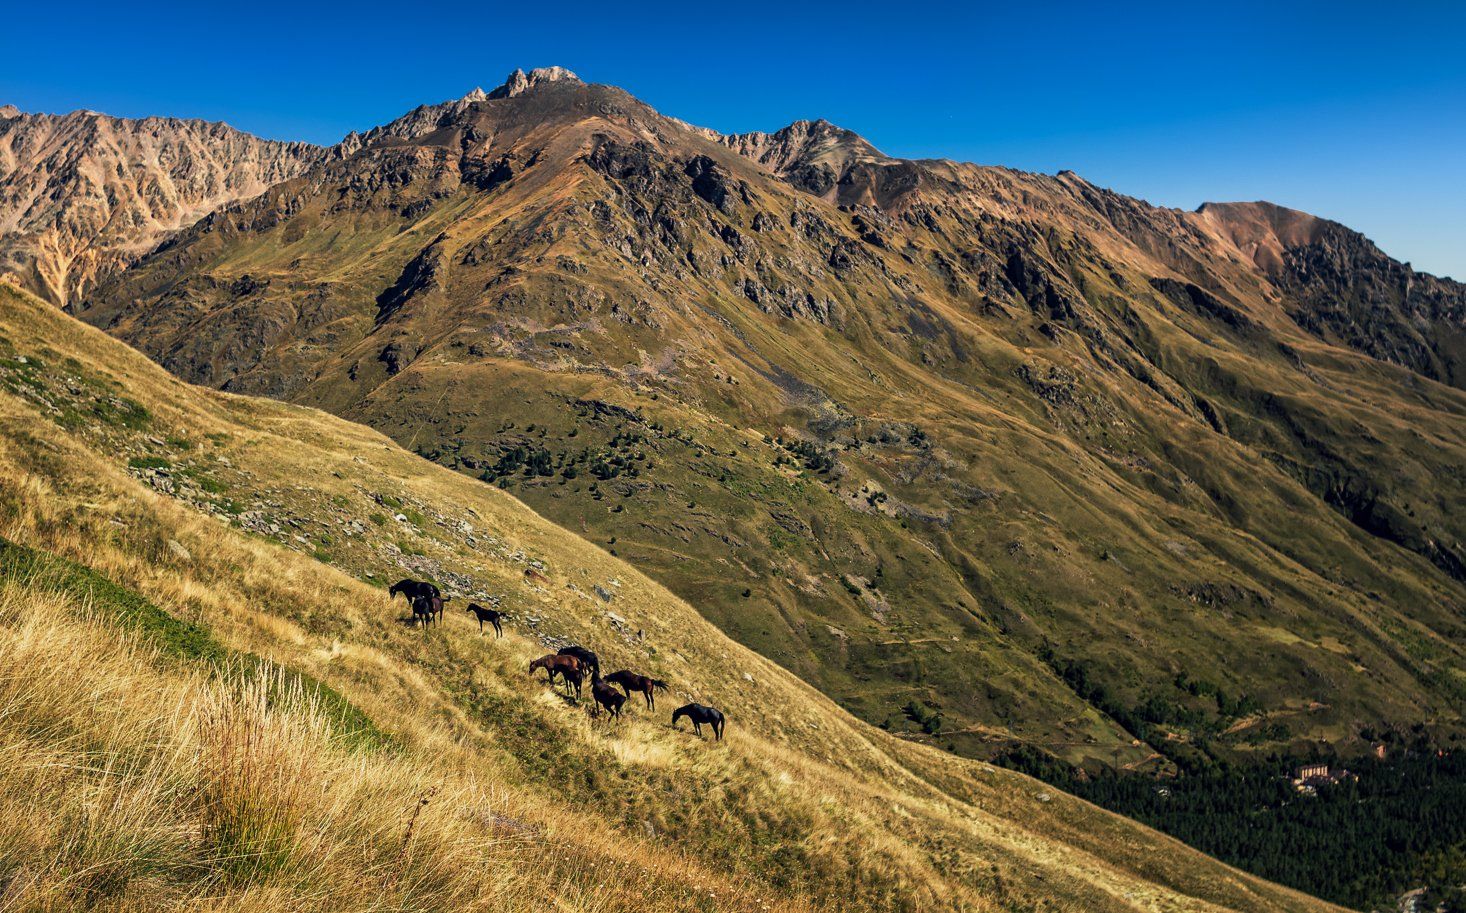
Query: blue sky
point(1349, 110)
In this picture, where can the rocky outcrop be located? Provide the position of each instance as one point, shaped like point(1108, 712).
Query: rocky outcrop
point(802, 143)
point(520, 82)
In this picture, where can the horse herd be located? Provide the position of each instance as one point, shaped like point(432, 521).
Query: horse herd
point(572, 664)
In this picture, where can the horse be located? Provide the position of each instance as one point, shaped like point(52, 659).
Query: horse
point(630, 681)
point(573, 678)
point(413, 589)
point(567, 667)
point(427, 609)
point(492, 616)
point(700, 714)
point(588, 660)
point(436, 603)
point(606, 696)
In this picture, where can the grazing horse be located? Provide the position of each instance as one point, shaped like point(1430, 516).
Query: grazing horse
point(413, 589)
point(492, 616)
point(630, 681)
point(700, 714)
point(567, 667)
point(588, 660)
point(606, 696)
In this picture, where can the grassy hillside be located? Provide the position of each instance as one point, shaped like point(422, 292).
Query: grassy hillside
point(209, 703)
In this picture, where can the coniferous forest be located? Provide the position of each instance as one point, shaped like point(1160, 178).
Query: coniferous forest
point(1360, 843)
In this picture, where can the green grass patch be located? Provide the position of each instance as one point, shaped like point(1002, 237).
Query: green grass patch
point(181, 640)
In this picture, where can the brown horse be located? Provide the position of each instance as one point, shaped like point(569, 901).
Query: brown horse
point(631, 682)
point(567, 667)
point(607, 696)
point(427, 609)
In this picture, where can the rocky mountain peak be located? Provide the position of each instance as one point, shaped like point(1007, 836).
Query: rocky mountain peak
point(802, 143)
point(9, 111)
point(519, 81)
point(477, 94)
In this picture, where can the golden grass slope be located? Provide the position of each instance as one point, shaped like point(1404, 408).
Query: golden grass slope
point(131, 780)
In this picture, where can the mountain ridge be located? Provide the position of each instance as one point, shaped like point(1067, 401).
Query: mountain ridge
point(84, 193)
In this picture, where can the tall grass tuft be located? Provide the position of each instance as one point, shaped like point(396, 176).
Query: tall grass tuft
point(255, 739)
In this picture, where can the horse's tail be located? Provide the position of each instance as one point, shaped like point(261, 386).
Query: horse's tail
point(658, 683)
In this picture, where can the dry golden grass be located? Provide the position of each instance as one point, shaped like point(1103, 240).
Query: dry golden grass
point(131, 779)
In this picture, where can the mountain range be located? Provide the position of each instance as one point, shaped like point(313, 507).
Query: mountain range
point(991, 458)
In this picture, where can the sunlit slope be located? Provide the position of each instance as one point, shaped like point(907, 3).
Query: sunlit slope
point(109, 465)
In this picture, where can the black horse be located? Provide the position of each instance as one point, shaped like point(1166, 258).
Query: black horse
point(413, 589)
point(700, 714)
point(588, 660)
point(607, 696)
point(492, 616)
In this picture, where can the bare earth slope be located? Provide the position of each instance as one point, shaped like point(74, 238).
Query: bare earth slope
point(83, 193)
point(984, 455)
point(146, 769)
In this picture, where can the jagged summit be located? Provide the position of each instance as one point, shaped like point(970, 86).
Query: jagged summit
point(9, 111)
point(519, 81)
point(803, 142)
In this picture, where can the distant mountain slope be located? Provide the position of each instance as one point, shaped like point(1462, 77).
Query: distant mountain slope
point(985, 455)
point(1346, 291)
point(165, 746)
point(84, 193)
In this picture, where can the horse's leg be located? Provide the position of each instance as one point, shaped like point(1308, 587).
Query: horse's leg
point(498, 631)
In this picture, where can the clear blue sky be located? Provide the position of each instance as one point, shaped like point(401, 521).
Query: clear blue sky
point(1350, 110)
